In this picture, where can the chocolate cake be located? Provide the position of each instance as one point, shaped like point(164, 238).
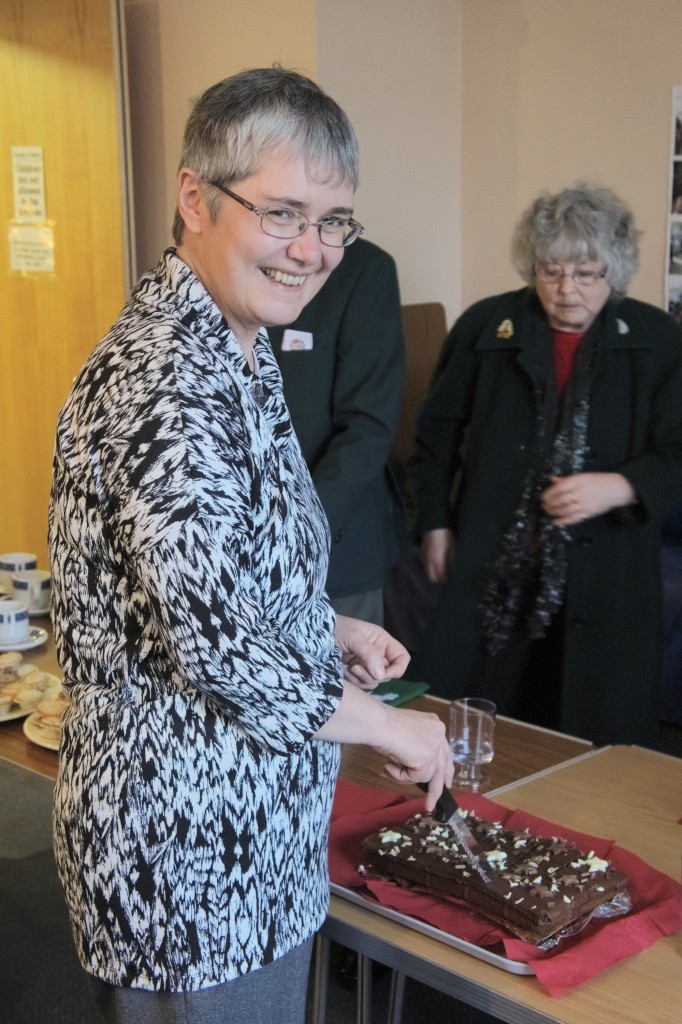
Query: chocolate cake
point(541, 885)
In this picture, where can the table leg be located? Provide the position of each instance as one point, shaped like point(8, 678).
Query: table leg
point(395, 997)
point(320, 979)
point(364, 1008)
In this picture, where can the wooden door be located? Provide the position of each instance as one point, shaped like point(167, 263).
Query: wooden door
point(59, 73)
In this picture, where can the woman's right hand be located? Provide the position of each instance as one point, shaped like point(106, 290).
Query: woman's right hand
point(438, 551)
point(413, 743)
point(417, 750)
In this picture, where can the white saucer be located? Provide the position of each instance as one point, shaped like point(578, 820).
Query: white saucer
point(36, 735)
point(36, 636)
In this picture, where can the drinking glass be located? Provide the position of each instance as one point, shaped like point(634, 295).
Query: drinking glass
point(471, 736)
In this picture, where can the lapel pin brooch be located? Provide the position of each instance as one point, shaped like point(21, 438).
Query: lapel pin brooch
point(506, 329)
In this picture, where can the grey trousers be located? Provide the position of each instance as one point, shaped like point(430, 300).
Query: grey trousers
point(368, 606)
point(275, 994)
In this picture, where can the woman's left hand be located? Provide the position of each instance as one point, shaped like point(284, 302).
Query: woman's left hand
point(571, 499)
point(370, 654)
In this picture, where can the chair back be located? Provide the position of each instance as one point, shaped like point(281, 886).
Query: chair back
point(425, 327)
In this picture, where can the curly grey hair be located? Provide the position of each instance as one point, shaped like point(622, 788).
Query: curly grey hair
point(238, 121)
point(585, 222)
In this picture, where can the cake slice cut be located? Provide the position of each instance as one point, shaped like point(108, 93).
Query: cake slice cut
point(542, 885)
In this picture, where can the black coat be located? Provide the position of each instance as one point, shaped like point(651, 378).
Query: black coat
point(482, 403)
point(344, 396)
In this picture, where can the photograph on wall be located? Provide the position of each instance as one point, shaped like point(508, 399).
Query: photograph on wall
point(675, 301)
point(675, 265)
point(677, 187)
point(674, 254)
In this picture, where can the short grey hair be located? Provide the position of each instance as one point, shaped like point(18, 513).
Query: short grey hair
point(236, 123)
point(585, 222)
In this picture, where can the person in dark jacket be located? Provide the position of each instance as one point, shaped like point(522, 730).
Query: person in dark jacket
point(547, 450)
point(343, 364)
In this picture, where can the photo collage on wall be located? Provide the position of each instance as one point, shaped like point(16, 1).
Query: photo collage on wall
point(674, 267)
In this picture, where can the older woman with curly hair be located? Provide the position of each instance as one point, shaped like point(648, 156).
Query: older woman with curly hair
point(548, 448)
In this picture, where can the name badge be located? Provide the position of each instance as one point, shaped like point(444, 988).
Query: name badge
point(296, 341)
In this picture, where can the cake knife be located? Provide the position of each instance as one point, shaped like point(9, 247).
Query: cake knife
point(447, 812)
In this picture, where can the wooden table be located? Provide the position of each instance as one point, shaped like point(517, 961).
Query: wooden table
point(629, 794)
point(520, 750)
point(14, 745)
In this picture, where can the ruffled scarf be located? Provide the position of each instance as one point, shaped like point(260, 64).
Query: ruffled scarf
point(526, 579)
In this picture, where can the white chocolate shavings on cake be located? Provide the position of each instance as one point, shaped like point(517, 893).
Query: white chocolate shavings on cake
point(391, 837)
point(542, 883)
point(530, 882)
point(592, 862)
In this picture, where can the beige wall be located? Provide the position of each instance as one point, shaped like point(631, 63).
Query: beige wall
point(554, 91)
point(176, 49)
point(392, 64)
point(465, 109)
point(397, 75)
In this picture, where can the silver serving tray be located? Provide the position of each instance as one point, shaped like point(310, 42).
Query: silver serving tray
point(480, 952)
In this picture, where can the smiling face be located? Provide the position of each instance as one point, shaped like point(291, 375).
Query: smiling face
point(254, 279)
point(570, 306)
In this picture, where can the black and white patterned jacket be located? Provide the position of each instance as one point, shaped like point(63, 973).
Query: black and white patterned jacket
point(189, 553)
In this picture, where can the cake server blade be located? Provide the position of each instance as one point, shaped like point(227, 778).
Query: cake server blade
point(447, 812)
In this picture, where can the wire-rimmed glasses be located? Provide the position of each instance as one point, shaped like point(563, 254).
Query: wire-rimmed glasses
point(282, 222)
point(554, 273)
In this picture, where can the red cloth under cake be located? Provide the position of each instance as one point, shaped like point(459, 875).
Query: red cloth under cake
point(656, 899)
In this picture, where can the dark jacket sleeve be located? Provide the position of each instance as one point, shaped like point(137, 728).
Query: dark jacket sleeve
point(656, 471)
point(344, 397)
point(367, 391)
point(441, 428)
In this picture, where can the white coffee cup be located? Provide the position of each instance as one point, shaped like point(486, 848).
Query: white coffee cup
point(14, 624)
point(15, 561)
point(34, 588)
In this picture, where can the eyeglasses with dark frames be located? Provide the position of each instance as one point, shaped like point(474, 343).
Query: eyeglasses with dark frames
point(281, 222)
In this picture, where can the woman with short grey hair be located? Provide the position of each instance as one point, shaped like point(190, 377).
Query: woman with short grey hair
point(547, 450)
point(227, 134)
point(209, 682)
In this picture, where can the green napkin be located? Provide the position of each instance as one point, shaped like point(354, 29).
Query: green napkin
point(398, 691)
